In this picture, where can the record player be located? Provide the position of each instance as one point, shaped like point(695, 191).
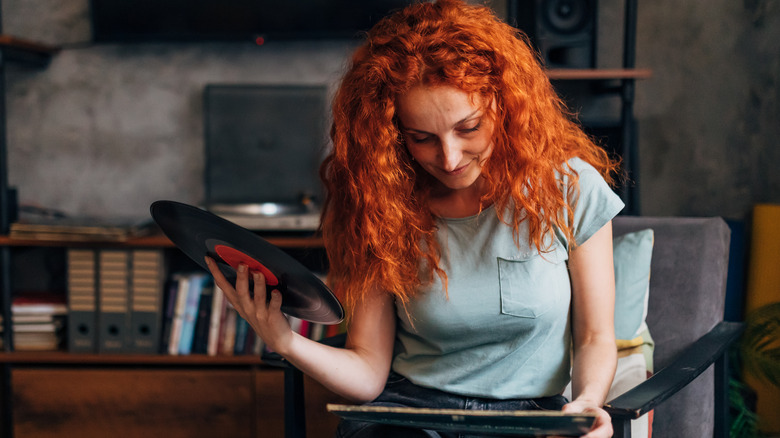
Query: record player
point(264, 145)
point(271, 216)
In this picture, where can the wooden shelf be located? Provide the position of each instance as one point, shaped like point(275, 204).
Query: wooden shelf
point(598, 74)
point(155, 241)
point(66, 358)
point(25, 51)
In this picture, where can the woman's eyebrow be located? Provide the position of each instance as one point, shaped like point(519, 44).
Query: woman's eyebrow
point(469, 117)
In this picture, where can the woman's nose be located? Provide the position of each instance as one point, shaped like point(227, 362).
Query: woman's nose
point(451, 153)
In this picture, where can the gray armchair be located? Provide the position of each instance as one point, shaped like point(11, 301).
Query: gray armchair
point(688, 395)
point(685, 318)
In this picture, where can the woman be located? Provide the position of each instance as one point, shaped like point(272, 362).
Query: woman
point(468, 228)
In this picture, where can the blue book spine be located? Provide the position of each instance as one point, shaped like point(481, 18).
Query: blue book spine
point(197, 282)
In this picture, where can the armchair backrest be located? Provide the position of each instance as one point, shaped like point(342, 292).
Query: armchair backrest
point(687, 294)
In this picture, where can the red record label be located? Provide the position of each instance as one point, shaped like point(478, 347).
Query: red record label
point(234, 257)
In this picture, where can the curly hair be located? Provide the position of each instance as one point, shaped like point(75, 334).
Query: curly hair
point(378, 229)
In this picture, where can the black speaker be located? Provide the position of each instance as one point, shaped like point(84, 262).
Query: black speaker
point(563, 31)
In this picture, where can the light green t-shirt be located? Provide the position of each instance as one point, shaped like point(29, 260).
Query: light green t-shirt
point(501, 330)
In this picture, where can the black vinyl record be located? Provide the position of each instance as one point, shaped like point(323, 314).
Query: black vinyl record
point(199, 233)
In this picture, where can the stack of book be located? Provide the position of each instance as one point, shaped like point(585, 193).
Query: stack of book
point(38, 321)
point(197, 319)
point(69, 228)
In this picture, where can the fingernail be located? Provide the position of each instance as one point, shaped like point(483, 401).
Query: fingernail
point(242, 268)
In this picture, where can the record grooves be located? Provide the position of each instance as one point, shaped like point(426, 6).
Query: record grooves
point(199, 233)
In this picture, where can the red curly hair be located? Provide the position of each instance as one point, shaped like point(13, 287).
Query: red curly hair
point(378, 228)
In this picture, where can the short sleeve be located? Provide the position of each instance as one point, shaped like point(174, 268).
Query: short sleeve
point(593, 200)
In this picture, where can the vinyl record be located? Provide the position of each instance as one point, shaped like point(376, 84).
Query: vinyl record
point(199, 233)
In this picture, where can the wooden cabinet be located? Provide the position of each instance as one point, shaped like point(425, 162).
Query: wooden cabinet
point(174, 402)
point(57, 400)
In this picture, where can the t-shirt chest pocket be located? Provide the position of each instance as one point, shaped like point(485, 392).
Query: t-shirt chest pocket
point(530, 284)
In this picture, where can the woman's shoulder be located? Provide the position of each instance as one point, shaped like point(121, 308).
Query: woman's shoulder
point(579, 165)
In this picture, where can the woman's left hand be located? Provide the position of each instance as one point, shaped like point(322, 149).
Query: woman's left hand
point(602, 427)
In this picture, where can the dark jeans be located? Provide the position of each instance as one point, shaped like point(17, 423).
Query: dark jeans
point(399, 392)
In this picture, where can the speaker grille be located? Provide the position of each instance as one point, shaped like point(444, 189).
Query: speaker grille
point(563, 31)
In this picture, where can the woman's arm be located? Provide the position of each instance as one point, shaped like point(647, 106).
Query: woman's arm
point(593, 303)
point(357, 372)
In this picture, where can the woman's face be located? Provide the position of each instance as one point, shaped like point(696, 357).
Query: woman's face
point(447, 132)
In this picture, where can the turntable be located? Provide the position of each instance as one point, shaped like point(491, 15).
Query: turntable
point(270, 216)
point(264, 145)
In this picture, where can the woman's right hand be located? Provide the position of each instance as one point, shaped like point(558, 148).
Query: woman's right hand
point(265, 317)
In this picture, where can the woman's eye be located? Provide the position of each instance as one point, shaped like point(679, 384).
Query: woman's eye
point(474, 128)
point(420, 139)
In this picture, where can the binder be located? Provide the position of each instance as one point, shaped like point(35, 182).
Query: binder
point(82, 300)
point(113, 287)
point(147, 281)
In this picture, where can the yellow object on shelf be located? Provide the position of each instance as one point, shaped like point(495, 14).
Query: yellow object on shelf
point(763, 287)
point(764, 269)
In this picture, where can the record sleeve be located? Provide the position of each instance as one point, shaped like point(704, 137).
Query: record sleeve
point(492, 423)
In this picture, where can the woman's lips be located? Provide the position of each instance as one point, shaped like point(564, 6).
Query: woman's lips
point(457, 171)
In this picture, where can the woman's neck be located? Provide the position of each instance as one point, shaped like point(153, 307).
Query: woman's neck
point(461, 203)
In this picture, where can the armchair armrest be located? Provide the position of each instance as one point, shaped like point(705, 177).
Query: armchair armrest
point(708, 349)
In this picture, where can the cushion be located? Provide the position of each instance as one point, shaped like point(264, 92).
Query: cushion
point(632, 254)
point(632, 257)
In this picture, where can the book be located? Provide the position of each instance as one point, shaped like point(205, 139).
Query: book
point(242, 331)
point(38, 303)
point(196, 284)
point(228, 336)
point(218, 308)
point(183, 283)
point(203, 320)
point(169, 305)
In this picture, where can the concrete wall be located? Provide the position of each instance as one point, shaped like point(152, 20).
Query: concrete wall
point(106, 129)
point(710, 116)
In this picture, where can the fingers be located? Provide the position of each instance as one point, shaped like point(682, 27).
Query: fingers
point(260, 289)
point(219, 279)
point(242, 285)
point(602, 426)
point(239, 295)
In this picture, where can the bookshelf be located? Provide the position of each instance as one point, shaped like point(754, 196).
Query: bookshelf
point(152, 393)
